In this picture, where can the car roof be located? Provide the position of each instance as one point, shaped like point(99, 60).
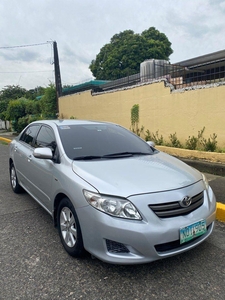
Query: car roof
point(61, 122)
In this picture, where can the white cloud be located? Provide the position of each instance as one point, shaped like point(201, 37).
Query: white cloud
point(82, 27)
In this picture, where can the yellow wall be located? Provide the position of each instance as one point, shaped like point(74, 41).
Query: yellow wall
point(160, 109)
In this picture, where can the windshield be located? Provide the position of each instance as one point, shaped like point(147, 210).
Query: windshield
point(99, 140)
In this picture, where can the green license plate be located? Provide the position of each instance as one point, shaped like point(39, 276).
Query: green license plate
point(192, 231)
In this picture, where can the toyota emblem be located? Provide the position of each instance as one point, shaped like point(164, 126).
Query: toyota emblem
point(186, 201)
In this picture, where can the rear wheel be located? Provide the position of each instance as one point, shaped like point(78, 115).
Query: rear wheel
point(69, 228)
point(14, 180)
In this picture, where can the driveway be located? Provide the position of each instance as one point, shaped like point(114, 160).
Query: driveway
point(34, 265)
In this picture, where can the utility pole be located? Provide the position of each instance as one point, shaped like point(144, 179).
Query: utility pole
point(58, 83)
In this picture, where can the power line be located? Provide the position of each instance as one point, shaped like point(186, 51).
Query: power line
point(23, 46)
point(52, 43)
point(27, 72)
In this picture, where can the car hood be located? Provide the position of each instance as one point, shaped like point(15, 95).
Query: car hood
point(136, 175)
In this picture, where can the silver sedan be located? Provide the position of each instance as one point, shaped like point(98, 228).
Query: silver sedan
point(111, 193)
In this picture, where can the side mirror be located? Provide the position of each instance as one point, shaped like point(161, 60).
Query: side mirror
point(151, 144)
point(43, 153)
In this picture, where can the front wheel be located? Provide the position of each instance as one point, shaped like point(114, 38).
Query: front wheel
point(69, 228)
point(14, 180)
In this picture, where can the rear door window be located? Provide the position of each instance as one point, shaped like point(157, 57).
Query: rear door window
point(29, 134)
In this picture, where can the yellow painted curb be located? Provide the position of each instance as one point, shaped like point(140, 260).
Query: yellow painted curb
point(220, 211)
point(193, 154)
point(5, 140)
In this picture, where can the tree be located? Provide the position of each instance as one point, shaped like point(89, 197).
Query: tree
point(3, 106)
point(126, 50)
point(12, 92)
point(33, 107)
point(48, 102)
point(15, 110)
point(3, 109)
point(23, 110)
point(34, 93)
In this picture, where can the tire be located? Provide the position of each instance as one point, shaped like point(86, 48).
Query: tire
point(14, 180)
point(69, 228)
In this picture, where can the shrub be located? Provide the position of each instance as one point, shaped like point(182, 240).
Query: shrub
point(193, 142)
point(158, 140)
point(148, 136)
point(174, 141)
point(210, 143)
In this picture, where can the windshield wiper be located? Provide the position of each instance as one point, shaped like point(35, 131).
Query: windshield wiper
point(111, 155)
point(87, 157)
point(126, 154)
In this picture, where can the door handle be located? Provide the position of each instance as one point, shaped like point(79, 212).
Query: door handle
point(29, 158)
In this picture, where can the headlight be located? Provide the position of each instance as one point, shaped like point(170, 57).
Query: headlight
point(205, 180)
point(116, 207)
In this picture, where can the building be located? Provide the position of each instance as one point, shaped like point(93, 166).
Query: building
point(179, 98)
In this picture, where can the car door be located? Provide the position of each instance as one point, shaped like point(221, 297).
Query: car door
point(42, 170)
point(22, 153)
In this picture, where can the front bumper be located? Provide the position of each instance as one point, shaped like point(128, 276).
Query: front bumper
point(121, 241)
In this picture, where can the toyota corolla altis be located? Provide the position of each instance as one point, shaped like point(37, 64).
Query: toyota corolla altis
point(110, 192)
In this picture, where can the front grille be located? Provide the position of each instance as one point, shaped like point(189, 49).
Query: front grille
point(174, 209)
point(115, 247)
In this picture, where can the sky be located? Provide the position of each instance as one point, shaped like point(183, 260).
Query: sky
point(82, 27)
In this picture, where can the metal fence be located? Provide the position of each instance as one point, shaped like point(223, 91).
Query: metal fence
point(182, 77)
point(178, 76)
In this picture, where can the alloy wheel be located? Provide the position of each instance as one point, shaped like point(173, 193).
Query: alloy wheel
point(68, 227)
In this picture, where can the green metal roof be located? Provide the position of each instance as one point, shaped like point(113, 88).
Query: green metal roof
point(83, 87)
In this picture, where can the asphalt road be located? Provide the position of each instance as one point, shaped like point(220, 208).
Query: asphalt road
point(33, 264)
